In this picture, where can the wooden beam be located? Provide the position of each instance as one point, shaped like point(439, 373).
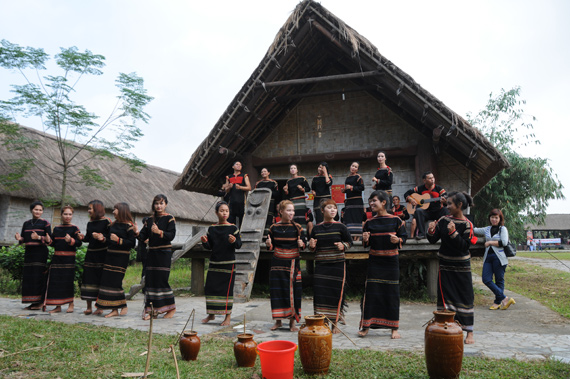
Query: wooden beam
point(320, 79)
point(408, 151)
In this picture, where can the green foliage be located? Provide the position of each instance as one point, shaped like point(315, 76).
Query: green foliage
point(523, 190)
point(75, 128)
point(12, 260)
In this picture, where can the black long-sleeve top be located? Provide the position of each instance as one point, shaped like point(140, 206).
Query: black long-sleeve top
point(385, 178)
point(58, 238)
point(126, 234)
point(97, 226)
point(167, 224)
point(40, 226)
point(381, 228)
point(326, 234)
point(218, 241)
point(294, 191)
point(357, 186)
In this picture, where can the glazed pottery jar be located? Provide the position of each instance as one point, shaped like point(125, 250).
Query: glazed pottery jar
point(315, 345)
point(244, 350)
point(189, 345)
point(443, 346)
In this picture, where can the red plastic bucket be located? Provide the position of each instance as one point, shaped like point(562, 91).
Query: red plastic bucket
point(277, 359)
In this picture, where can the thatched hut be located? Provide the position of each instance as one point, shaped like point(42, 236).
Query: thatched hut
point(323, 92)
point(137, 189)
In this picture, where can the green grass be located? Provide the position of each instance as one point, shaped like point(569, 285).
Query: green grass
point(88, 351)
point(547, 286)
point(551, 254)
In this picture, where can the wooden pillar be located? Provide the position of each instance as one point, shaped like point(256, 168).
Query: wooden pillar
point(197, 276)
point(432, 277)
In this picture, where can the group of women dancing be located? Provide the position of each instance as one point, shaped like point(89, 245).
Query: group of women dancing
point(106, 260)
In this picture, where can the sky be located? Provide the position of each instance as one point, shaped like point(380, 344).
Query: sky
point(195, 56)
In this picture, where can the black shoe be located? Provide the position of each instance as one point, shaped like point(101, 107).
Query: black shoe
point(420, 237)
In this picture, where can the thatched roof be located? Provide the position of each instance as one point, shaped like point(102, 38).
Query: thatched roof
point(313, 43)
point(136, 189)
point(553, 222)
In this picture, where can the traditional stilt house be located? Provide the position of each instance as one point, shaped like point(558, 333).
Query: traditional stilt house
point(323, 92)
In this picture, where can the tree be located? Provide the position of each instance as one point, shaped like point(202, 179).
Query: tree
point(76, 130)
point(523, 190)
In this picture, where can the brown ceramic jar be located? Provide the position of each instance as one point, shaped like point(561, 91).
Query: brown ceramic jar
point(315, 345)
point(244, 350)
point(189, 345)
point(443, 346)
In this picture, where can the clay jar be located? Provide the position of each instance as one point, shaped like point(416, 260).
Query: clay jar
point(189, 345)
point(244, 350)
point(443, 346)
point(315, 345)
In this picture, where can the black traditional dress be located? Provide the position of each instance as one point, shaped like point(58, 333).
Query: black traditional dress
point(272, 185)
point(353, 212)
point(285, 285)
point(322, 189)
point(297, 196)
point(219, 288)
point(385, 178)
point(401, 212)
point(330, 269)
point(35, 258)
point(111, 293)
point(455, 285)
point(381, 302)
point(157, 289)
point(94, 258)
point(237, 197)
point(61, 274)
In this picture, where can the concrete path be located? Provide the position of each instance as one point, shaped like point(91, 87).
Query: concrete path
point(527, 330)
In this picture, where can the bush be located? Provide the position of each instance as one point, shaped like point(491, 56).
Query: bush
point(12, 260)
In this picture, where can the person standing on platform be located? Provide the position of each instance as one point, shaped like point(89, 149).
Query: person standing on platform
point(295, 190)
point(35, 235)
point(385, 234)
point(271, 184)
point(384, 177)
point(329, 241)
point(61, 274)
point(159, 230)
point(286, 238)
point(122, 238)
point(435, 210)
point(96, 251)
point(223, 239)
point(321, 188)
point(455, 291)
point(353, 212)
point(237, 187)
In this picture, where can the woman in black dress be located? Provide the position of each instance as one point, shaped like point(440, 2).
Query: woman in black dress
point(96, 253)
point(122, 238)
point(321, 188)
point(159, 230)
point(455, 290)
point(353, 212)
point(267, 182)
point(295, 190)
point(35, 235)
point(223, 239)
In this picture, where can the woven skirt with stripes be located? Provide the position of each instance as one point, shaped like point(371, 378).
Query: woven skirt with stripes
point(381, 303)
point(219, 288)
point(285, 288)
point(157, 289)
point(329, 285)
point(61, 276)
point(300, 212)
point(455, 284)
point(353, 215)
point(111, 293)
point(34, 274)
point(92, 271)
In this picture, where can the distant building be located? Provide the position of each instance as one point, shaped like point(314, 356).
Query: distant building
point(555, 226)
point(136, 189)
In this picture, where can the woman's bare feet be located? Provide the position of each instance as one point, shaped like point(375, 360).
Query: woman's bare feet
point(469, 339)
point(335, 330)
point(88, 311)
point(124, 311)
point(34, 307)
point(146, 316)
point(208, 318)
point(56, 309)
point(363, 332)
point(98, 312)
point(70, 308)
point(227, 320)
point(277, 325)
point(170, 313)
point(292, 326)
point(341, 320)
point(395, 334)
point(113, 313)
